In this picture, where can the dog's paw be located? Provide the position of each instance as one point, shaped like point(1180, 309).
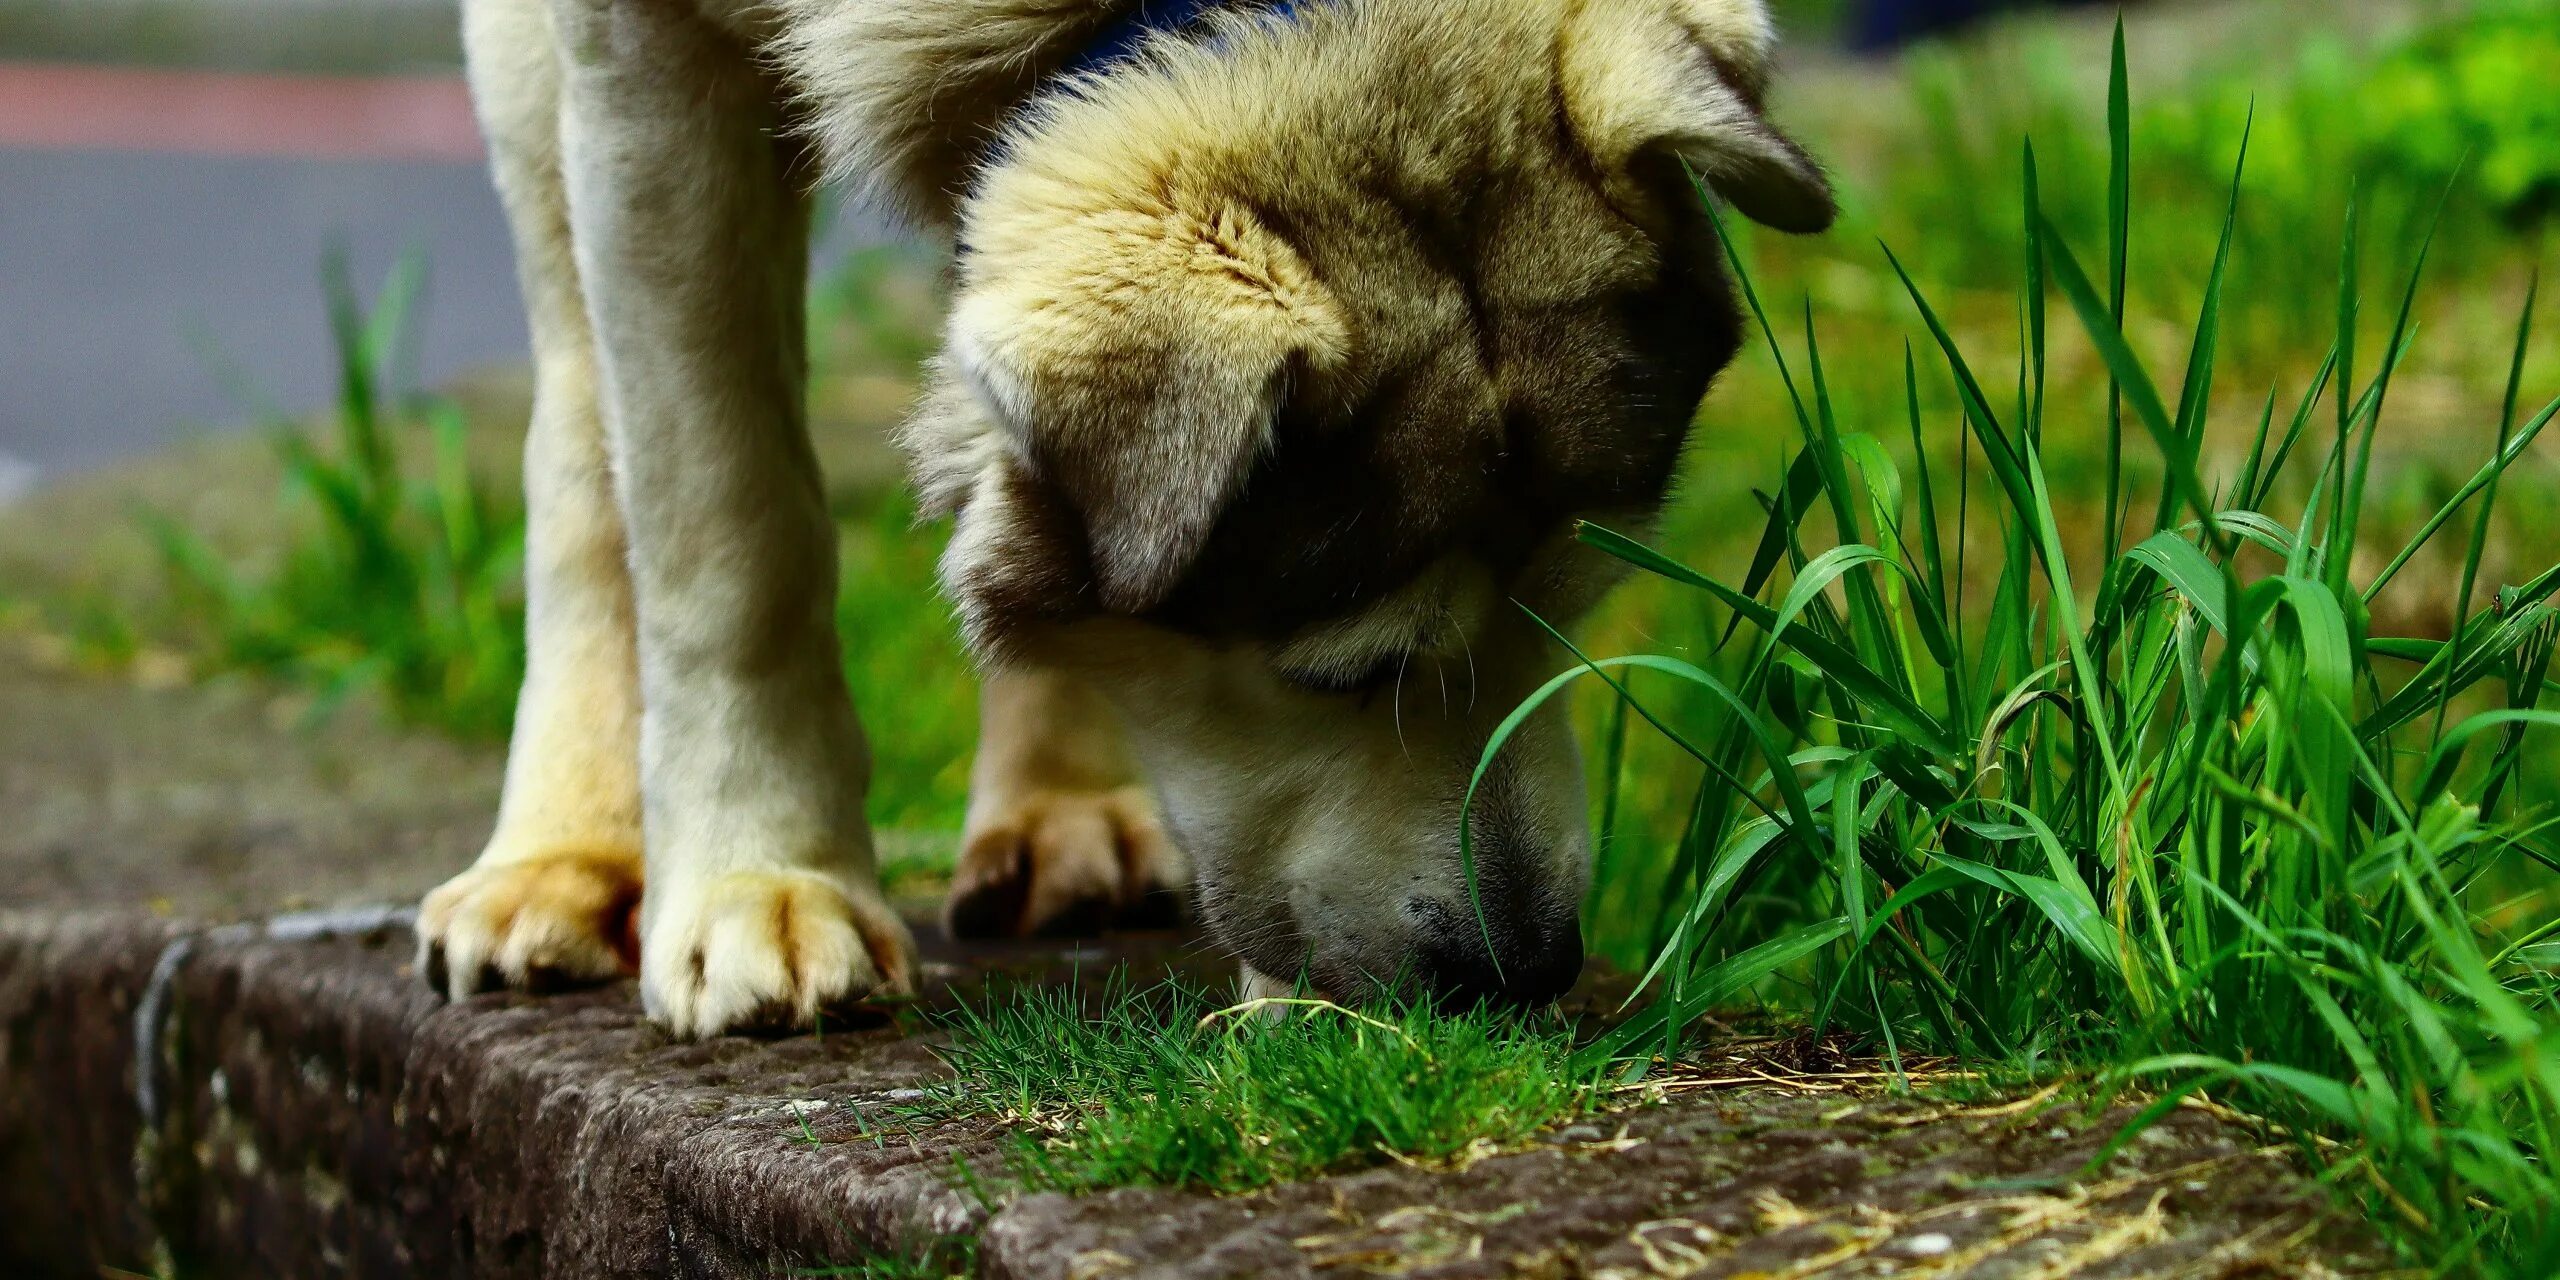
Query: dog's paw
point(537, 923)
point(769, 951)
point(1066, 863)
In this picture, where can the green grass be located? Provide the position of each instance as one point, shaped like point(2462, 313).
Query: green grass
point(915, 687)
point(403, 579)
point(2394, 121)
point(1168, 1087)
point(2160, 800)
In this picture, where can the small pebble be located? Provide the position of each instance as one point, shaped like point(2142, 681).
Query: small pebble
point(1581, 1133)
point(1928, 1246)
point(905, 1095)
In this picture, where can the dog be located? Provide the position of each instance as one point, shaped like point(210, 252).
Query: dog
point(1289, 340)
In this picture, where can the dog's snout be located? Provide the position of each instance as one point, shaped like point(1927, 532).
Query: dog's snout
point(1531, 961)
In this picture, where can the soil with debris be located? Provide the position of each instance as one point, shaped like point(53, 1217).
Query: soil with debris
point(222, 802)
point(1775, 1178)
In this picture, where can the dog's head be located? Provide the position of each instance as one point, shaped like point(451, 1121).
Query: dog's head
point(1281, 365)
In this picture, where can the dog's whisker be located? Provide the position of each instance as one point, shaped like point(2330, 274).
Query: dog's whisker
point(1402, 662)
point(1467, 645)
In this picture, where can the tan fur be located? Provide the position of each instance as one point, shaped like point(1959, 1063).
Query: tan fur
point(568, 838)
point(683, 695)
point(559, 915)
point(1436, 263)
point(1281, 362)
point(1062, 830)
point(906, 97)
point(1127, 320)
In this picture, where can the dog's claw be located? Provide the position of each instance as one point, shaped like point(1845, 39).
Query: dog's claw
point(536, 923)
point(1067, 864)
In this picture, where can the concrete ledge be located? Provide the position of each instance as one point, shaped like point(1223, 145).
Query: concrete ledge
point(304, 1106)
point(287, 1100)
point(68, 1124)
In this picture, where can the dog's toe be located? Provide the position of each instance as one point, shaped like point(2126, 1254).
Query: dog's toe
point(771, 951)
point(540, 922)
point(1066, 864)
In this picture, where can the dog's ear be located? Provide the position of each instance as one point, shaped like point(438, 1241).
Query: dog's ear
point(1641, 77)
point(1137, 359)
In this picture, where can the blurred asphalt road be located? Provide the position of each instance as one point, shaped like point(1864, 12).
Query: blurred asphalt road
point(161, 236)
point(143, 296)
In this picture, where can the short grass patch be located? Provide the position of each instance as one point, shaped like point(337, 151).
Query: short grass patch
point(1171, 1087)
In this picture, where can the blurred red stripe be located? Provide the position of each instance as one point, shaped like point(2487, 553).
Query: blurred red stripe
point(55, 106)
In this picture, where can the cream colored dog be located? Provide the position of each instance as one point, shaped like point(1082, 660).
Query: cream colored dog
point(1283, 355)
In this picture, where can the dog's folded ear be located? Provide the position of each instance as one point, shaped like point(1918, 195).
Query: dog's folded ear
point(1642, 77)
point(1136, 360)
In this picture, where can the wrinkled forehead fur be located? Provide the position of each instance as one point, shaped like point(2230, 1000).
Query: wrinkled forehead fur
point(1312, 331)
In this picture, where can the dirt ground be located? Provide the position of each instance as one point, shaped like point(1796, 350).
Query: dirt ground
point(223, 801)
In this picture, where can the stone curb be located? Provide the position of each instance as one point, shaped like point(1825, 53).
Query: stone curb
point(286, 1099)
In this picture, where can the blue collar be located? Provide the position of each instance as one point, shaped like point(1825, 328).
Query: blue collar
point(1124, 35)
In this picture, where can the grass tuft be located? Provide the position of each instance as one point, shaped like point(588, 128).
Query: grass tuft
point(404, 579)
point(2166, 805)
point(1168, 1087)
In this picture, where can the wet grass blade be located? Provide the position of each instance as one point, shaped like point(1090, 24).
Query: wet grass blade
point(2119, 265)
point(1888, 702)
point(2351, 514)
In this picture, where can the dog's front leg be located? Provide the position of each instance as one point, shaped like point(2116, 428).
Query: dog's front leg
point(551, 899)
point(1063, 837)
point(691, 227)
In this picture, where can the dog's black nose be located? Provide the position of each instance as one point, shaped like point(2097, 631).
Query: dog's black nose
point(1538, 961)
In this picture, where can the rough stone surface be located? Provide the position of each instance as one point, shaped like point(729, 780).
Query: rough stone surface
point(318, 1112)
point(68, 1124)
point(221, 802)
point(297, 1104)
